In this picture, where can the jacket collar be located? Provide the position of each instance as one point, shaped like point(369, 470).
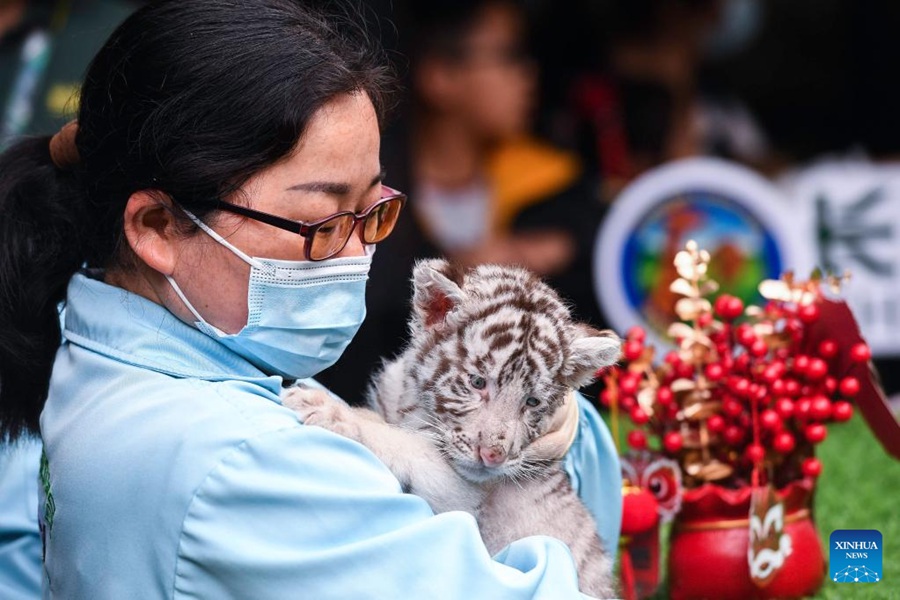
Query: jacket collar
point(134, 330)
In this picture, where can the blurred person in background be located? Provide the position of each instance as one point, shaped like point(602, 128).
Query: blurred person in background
point(640, 94)
point(482, 188)
point(45, 47)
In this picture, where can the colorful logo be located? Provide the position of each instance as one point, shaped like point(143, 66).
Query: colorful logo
point(730, 211)
point(856, 556)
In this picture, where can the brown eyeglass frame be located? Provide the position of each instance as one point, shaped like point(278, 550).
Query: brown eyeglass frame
point(308, 230)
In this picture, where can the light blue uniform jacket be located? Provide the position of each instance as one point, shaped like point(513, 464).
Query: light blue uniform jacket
point(175, 472)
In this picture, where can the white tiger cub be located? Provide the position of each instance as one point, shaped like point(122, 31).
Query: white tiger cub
point(493, 354)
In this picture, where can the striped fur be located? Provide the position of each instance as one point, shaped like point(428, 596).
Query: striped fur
point(504, 327)
point(493, 353)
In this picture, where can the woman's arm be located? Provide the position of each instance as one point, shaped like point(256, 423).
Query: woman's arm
point(302, 512)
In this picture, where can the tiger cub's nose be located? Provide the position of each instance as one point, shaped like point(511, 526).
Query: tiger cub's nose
point(493, 455)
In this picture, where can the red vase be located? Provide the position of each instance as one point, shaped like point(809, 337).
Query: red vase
point(710, 538)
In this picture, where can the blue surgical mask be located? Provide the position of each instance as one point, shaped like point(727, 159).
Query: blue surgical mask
point(300, 314)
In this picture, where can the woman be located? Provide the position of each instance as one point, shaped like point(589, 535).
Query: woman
point(209, 225)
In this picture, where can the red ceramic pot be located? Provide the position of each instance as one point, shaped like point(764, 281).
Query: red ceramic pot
point(710, 538)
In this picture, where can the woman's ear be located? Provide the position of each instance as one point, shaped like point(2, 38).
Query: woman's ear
point(152, 230)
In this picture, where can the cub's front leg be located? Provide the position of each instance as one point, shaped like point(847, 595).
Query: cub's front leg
point(411, 456)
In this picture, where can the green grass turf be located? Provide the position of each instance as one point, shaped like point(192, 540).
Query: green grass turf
point(859, 489)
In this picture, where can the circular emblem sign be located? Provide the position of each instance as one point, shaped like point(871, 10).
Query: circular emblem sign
point(730, 211)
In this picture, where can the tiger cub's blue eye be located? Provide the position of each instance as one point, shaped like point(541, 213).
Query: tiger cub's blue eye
point(478, 382)
point(532, 401)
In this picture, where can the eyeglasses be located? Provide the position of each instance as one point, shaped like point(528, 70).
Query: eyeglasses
point(327, 237)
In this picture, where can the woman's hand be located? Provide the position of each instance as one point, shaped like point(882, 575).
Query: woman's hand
point(554, 444)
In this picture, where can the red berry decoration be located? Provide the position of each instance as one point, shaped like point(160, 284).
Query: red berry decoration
point(801, 407)
point(637, 439)
point(758, 348)
point(841, 411)
point(755, 453)
point(629, 383)
point(808, 313)
point(632, 350)
point(770, 420)
point(637, 334)
point(820, 408)
point(714, 371)
point(638, 416)
point(665, 396)
point(732, 407)
point(860, 353)
point(783, 442)
point(791, 387)
point(801, 364)
point(673, 442)
point(784, 407)
point(812, 467)
point(715, 424)
point(828, 348)
point(728, 307)
point(817, 369)
point(606, 397)
point(849, 387)
point(815, 433)
point(734, 435)
point(704, 319)
point(627, 403)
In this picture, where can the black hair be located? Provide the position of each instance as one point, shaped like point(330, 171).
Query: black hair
point(188, 97)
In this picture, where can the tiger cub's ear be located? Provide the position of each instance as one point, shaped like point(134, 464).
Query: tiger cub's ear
point(437, 291)
point(590, 350)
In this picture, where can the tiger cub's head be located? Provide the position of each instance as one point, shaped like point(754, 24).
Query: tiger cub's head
point(496, 353)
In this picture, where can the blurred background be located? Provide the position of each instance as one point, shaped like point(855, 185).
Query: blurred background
point(519, 125)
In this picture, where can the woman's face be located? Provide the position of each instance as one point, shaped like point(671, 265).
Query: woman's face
point(334, 168)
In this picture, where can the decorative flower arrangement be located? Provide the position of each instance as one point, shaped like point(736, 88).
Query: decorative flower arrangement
point(743, 390)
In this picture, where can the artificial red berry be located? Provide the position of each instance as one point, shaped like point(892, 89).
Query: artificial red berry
point(665, 396)
point(714, 371)
point(758, 348)
point(629, 383)
point(755, 453)
point(715, 424)
point(828, 348)
point(606, 397)
point(830, 385)
point(770, 420)
point(684, 370)
point(637, 439)
point(673, 442)
point(733, 434)
point(841, 411)
point(704, 319)
point(784, 407)
point(627, 403)
point(815, 433)
point(792, 387)
point(732, 407)
point(812, 467)
point(672, 358)
point(739, 386)
point(632, 350)
point(778, 387)
point(639, 416)
point(636, 333)
point(801, 364)
point(817, 369)
point(728, 307)
point(849, 387)
point(860, 353)
point(783, 442)
point(801, 407)
point(820, 408)
point(746, 337)
point(808, 313)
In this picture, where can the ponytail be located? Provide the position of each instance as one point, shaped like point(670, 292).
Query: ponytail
point(40, 238)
